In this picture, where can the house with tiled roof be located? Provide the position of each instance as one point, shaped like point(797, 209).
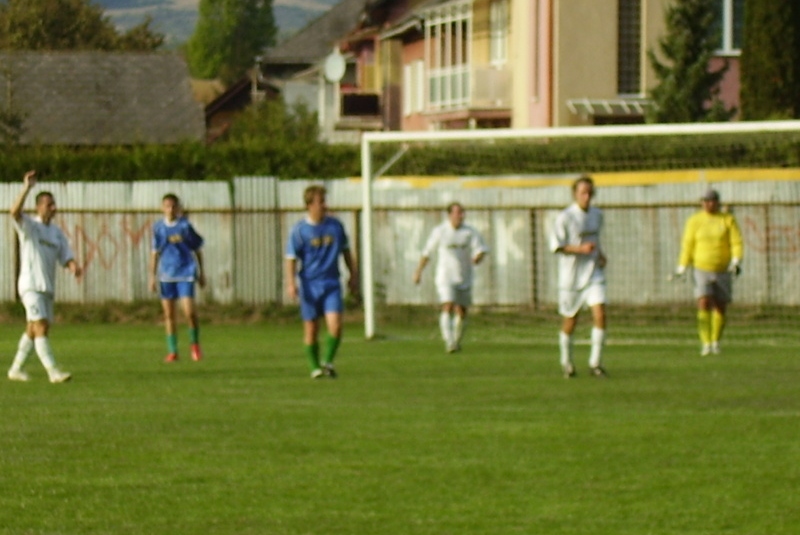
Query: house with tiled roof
point(99, 98)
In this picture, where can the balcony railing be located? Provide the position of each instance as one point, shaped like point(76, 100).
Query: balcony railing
point(466, 86)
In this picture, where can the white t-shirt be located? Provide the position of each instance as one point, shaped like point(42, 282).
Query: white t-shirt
point(455, 249)
point(42, 247)
point(573, 226)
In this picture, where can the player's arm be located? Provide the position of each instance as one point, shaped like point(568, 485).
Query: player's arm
point(152, 266)
point(294, 249)
point(201, 272)
point(602, 259)
point(74, 268)
point(479, 248)
point(423, 261)
point(66, 258)
point(291, 273)
point(687, 246)
point(352, 268)
point(559, 240)
point(580, 249)
point(28, 181)
point(430, 245)
point(737, 247)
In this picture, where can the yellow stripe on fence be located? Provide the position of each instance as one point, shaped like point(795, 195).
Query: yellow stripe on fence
point(629, 178)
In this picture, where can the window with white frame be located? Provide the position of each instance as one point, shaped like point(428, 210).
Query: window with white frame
point(448, 34)
point(498, 32)
point(730, 20)
point(419, 86)
point(413, 87)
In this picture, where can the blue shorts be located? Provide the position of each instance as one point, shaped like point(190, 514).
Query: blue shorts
point(317, 298)
point(174, 290)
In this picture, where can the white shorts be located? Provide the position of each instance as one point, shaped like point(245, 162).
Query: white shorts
point(38, 306)
point(570, 302)
point(453, 294)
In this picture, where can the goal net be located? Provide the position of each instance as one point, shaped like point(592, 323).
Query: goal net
point(513, 183)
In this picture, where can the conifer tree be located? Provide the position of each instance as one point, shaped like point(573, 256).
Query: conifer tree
point(770, 72)
point(687, 89)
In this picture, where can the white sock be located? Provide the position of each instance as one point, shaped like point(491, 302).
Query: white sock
point(598, 341)
point(23, 350)
point(565, 345)
point(45, 353)
point(459, 324)
point(446, 325)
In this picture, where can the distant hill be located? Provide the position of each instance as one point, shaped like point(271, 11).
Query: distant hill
point(177, 18)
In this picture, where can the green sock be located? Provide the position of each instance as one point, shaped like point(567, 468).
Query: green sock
point(194, 335)
point(331, 345)
point(312, 353)
point(172, 343)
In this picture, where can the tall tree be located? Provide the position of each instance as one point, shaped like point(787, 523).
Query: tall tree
point(770, 73)
point(67, 25)
point(228, 36)
point(688, 89)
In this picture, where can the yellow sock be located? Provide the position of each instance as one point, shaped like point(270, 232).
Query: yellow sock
point(704, 326)
point(717, 324)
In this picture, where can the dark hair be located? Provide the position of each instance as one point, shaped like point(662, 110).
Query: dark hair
point(452, 206)
point(171, 197)
point(313, 191)
point(583, 179)
point(43, 194)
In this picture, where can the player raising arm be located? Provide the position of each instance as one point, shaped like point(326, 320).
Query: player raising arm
point(42, 246)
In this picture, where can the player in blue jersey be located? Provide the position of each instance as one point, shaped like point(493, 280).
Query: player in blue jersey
point(176, 263)
point(316, 243)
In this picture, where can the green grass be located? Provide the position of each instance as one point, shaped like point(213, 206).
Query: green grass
point(408, 440)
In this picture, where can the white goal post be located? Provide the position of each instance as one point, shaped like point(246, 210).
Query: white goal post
point(371, 140)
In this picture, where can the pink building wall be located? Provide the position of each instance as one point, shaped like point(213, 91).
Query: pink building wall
point(414, 51)
point(731, 84)
point(541, 72)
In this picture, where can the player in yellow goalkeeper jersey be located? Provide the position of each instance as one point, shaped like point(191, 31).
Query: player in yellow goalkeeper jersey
point(712, 245)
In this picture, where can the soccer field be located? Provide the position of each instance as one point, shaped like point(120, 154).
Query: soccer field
point(408, 440)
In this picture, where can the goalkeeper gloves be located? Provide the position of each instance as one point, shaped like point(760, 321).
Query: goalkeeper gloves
point(680, 272)
point(734, 268)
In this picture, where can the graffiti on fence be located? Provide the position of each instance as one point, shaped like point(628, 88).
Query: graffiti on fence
point(100, 245)
point(770, 238)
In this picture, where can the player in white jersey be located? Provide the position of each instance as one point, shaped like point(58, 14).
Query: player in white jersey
point(458, 247)
point(581, 279)
point(42, 246)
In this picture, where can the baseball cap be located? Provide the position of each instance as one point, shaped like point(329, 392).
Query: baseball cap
point(710, 195)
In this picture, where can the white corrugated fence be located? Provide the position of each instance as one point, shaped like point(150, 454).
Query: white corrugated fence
point(245, 224)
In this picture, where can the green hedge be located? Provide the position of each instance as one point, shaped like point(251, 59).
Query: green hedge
point(187, 161)
point(570, 155)
point(307, 158)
